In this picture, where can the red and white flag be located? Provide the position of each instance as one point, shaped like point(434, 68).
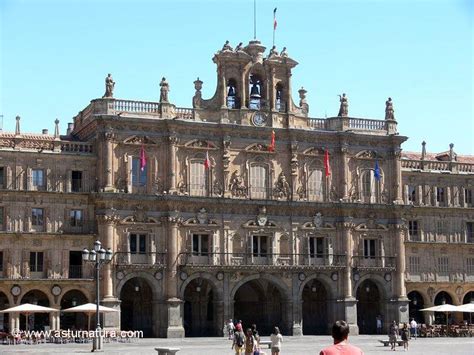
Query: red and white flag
point(326, 163)
point(142, 159)
point(275, 23)
point(271, 147)
point(207, 162)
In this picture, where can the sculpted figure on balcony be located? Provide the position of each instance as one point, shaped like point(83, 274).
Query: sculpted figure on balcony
point(282, 188)
point(237, 186)
point(389, 111)
point(164, 90)
point(109, 86)
point(344, 108)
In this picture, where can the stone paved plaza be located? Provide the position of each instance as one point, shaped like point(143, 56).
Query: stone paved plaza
point(214, 346)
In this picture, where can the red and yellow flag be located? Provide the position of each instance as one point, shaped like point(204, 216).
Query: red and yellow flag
point(271, 147)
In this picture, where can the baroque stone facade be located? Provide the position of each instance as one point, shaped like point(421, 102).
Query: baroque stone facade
point(242, 207)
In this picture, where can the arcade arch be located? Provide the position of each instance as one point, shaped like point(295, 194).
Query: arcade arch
point(68, 320)
point(136, 306)
point(36, 321)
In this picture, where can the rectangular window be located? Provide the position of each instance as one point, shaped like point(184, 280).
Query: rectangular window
point(470, 232)
point(443, 264)
point(258, 182)
point(138, 175)
point(259, 247)
point(315, 185)
point(413, 230)
point(441, 227)
point(411, 194)
point(36, 261)
point(316, 247)
point(470, 265)
point(440, 195)
point(468, 197)
point(200, 244)
point(2, 211)
point(1, 261)
point(38, 178)
point(2, 177)
point(137, 243)
point(369, 248)
point(197, 179)
point(76, 181)
point(414, 264)
point(76, 218)
point(37, 219)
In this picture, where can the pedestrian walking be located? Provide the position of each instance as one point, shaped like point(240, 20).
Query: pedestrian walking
point(413, 328)
point(230, 329)
point(239, 340)
point(276, 339)
point(340, 334)
point(257, 338)
point(392, 335)
point(405, 336)
point(250, 342)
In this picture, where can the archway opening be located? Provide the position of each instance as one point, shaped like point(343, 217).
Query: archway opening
point(200, 310)
point(259, 302)
point(468, 298)
point(136, 306)
point(368, 307)
point(442, 298)
point(315, 308)
point(416, 303)
point(4, 318)
point(36, 321)
point(69, 320)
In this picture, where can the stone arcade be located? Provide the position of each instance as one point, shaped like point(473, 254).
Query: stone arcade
point(220, 224)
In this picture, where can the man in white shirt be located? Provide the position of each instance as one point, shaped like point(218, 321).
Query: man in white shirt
point(413, 326)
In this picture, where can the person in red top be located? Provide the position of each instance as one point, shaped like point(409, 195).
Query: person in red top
point(340, 333)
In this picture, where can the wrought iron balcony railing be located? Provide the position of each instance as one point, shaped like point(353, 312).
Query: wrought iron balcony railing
point(373, 262)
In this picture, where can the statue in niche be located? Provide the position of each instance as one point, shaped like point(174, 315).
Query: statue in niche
point(344, 107)
point(389, 111)
point(226, 47)
point(109, 87)
point(282, 188)
point(237, 186)
point(164, 89)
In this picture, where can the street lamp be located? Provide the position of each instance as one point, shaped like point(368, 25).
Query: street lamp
point(99, 256)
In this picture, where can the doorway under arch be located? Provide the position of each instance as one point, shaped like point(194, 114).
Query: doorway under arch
point(260, 302)
point(442, 298)
point(468, 298)
point(416, 303)
point(4, 317)
point(315, 308)
point(200, 311)
point(136, 306)
point(69, 320)
point(368, 307)
point(36, 321)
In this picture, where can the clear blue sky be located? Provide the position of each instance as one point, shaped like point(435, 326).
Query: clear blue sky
point(55, 55)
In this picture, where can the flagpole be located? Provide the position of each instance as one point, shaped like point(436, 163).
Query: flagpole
point(274, 25)
point(255, 19)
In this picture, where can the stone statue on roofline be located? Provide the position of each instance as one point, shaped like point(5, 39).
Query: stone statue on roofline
point(284, 53)
point(109, 87)
point(389, 111)
point(344, 107)
point(273, 52)
point(227, 47)
point(164, 89)
point(240, 47)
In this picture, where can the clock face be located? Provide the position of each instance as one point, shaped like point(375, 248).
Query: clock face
point(259, 119)
point(16, 290)
point(56, 290)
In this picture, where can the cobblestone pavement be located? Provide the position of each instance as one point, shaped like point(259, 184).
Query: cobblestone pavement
point(214, 346)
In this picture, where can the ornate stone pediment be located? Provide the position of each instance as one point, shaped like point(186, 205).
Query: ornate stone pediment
point(312, 226)
point(257, 148)
point(138, 140)
point(369, 226)
point(368, 154)
point(195, 222)
point(314, 151)
point(261, 220)
point(200, 144)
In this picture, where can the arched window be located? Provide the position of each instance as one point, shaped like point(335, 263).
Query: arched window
point(232, 98)
point(370, 187)
point(197, 178)
point(315, 185)
point(259, 181)
point(255, 89)
point(280, 105)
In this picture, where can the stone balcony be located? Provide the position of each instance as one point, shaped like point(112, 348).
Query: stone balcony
point(437, 166)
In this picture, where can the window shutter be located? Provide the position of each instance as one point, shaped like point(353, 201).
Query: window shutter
point(29, 177)
point(129, 173)
point(250, 248)
point(25, 263)
point(85, 181)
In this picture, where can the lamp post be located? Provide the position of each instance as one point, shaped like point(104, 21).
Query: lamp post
point(99, 256)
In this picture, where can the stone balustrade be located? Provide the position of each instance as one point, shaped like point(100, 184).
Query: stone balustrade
point(76, 147)
point(437, 166)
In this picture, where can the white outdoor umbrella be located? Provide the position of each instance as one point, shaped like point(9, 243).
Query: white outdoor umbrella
point(89, 309)
point(468, 308)
point(27, 309)
point(446, 308)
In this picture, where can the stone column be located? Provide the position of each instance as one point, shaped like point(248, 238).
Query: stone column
point(14, 321)
point(345, 173)
point(175, 327)
point(349, 303)
point(397, 176)
point(172, 139)
point(462, 196)
point(108, 154)
point(400, 300)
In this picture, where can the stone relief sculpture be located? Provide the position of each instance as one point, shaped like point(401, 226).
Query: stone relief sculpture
point(237, 186)
point(344, 107)
point(109, 87)
point(139, 214)
point(182, 188)
point(389, 111)
point(282, 188)
point(164, 89)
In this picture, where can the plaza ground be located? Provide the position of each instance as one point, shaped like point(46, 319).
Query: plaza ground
point(219, 346)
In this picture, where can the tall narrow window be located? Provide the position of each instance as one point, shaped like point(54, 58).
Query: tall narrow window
point(443, 264)
point(258, 182)
point(413, 230)
point(316, 247)
point(470, 232)
point(369, 248)
point(75, 218)
point(38, 179)
point(2, 177)
point(470, 265)
point(76, 181)
point(1, 261)
point(2, 213)
point(411, 194)
point(37, 217)
point(137, 243)
point(280, 105)
point(138, 176)
point(255, 89)
point(315, 185)
point(440, 195)
point(414, 264)
point(260, 247)
point(468, 197)
point(36, 261)
point(367, 186)
point(200, 244)
point(197, 179)
point(232, 100)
